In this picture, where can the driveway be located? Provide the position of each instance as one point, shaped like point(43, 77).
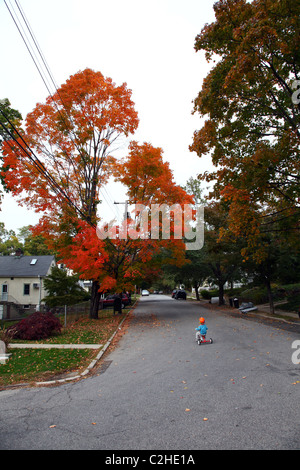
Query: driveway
point(159, 390)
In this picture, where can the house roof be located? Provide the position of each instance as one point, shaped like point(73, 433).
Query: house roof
point(25, 266)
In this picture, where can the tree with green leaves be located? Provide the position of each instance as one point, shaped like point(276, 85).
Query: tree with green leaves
point(223, 256)
point(9, 242)
point(33, 244)
point(63, 289)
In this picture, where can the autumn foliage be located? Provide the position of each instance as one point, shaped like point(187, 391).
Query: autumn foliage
point(62, 161)
point(70, 137)
point(251, 129)
point(63, 158)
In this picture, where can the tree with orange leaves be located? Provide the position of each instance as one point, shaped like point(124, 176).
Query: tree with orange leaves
point(118, 263)
point(60, 161)
point(149, 180)
point(58, 165)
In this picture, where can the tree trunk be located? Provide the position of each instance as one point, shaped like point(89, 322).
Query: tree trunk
point(196, 291)
point(95, 299)
point(221, 293)
point(270, 295)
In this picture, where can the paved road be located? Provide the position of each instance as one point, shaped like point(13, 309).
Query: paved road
point(159, 390)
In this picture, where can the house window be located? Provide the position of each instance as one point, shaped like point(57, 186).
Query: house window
point(4, 296)
point(26, 289)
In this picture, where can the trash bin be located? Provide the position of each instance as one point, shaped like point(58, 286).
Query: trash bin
point(118, 304)
point(231, 302)
point(236, 302)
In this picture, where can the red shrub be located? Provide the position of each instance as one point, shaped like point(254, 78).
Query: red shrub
point(36, 326)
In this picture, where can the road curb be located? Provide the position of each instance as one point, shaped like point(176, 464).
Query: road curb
point(94, 361)
point(258, 313)
point(87, 370)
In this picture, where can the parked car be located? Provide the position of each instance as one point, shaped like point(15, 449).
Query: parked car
point(109, 300)
point(145, 292)
point(180, 294)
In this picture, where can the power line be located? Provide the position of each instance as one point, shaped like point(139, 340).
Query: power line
point(36, 61)
point(23, 36)
point(41, 168)
point(111, 203)
point(36, 45)
point(38, 164)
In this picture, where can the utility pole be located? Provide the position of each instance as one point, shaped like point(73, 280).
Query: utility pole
point(126, 209)
point(123, 233)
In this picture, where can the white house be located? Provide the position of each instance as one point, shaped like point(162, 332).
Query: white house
point(21, 282)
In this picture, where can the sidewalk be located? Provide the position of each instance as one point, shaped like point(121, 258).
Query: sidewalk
point(72, 375)
point(263, 310)
point(54, 346)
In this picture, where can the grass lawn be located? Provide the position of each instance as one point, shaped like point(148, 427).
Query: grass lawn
point(28, 365)
point(292, 304)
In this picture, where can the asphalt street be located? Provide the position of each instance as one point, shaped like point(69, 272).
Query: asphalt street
point(159, 390)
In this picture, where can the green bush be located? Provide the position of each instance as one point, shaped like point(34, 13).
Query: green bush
point(292, 304)
point(257, 295)
point(205, 294)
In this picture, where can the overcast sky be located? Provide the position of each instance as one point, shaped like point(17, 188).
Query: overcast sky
point(147, 44)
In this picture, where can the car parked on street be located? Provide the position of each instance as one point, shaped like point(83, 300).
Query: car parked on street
point(180, 294)
point(109, 300)
point(145, 292)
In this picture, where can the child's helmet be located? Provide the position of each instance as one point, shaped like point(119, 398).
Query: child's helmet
point(201, 320)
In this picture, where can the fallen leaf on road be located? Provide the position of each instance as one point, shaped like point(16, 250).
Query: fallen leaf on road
point(187, 409)
point(52, 426)
point(205, 419)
